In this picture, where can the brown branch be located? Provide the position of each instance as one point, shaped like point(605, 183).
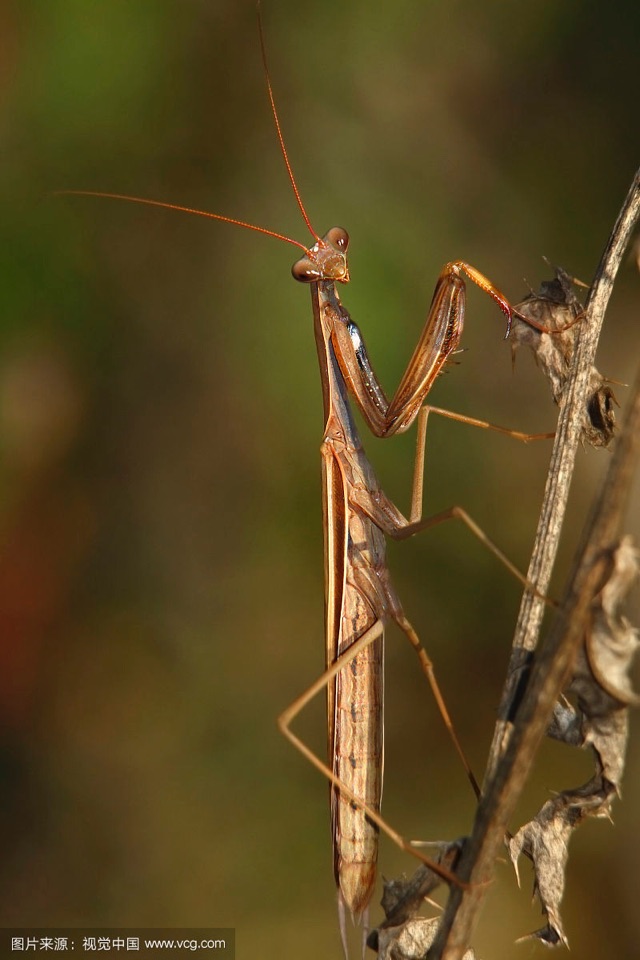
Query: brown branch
point(522, 724)
point(561, 466)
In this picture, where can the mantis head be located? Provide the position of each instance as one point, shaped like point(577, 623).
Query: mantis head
point(325, 260)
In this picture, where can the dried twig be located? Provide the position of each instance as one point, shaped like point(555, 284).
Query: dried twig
point(526, 707)
point(574, 403)
point(529, 695)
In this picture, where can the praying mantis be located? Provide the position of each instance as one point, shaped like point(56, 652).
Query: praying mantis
point(358, 516)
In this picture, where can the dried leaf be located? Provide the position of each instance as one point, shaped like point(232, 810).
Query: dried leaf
point(601, 676)
point(411, 940)
point(401, 930)
point(556, 307)
point(601, 686)
point(613, 642)
point(545, 839)
point(401, 899)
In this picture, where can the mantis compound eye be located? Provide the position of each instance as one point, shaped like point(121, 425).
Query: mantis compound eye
point(339, 237)
point(306, 271)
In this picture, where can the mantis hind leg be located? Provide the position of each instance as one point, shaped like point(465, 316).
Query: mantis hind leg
point(287, 717)
point(421, 447)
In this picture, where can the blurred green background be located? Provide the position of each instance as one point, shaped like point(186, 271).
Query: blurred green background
point(161, 589)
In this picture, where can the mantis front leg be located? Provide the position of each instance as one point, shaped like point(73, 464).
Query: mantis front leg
point(440, 337)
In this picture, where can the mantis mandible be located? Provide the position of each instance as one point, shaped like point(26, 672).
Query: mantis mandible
point(360, 596)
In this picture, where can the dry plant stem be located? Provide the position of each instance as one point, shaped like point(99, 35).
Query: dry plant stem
point(522, 726)
point(561, 469)
point(549, 674)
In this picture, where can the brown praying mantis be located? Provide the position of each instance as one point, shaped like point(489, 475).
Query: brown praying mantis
point(358, 516)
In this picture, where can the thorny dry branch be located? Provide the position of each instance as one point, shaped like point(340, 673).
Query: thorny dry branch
point(599, 723)
point(601, 573)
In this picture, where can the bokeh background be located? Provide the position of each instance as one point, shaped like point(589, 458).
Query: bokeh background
point(161, 593)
